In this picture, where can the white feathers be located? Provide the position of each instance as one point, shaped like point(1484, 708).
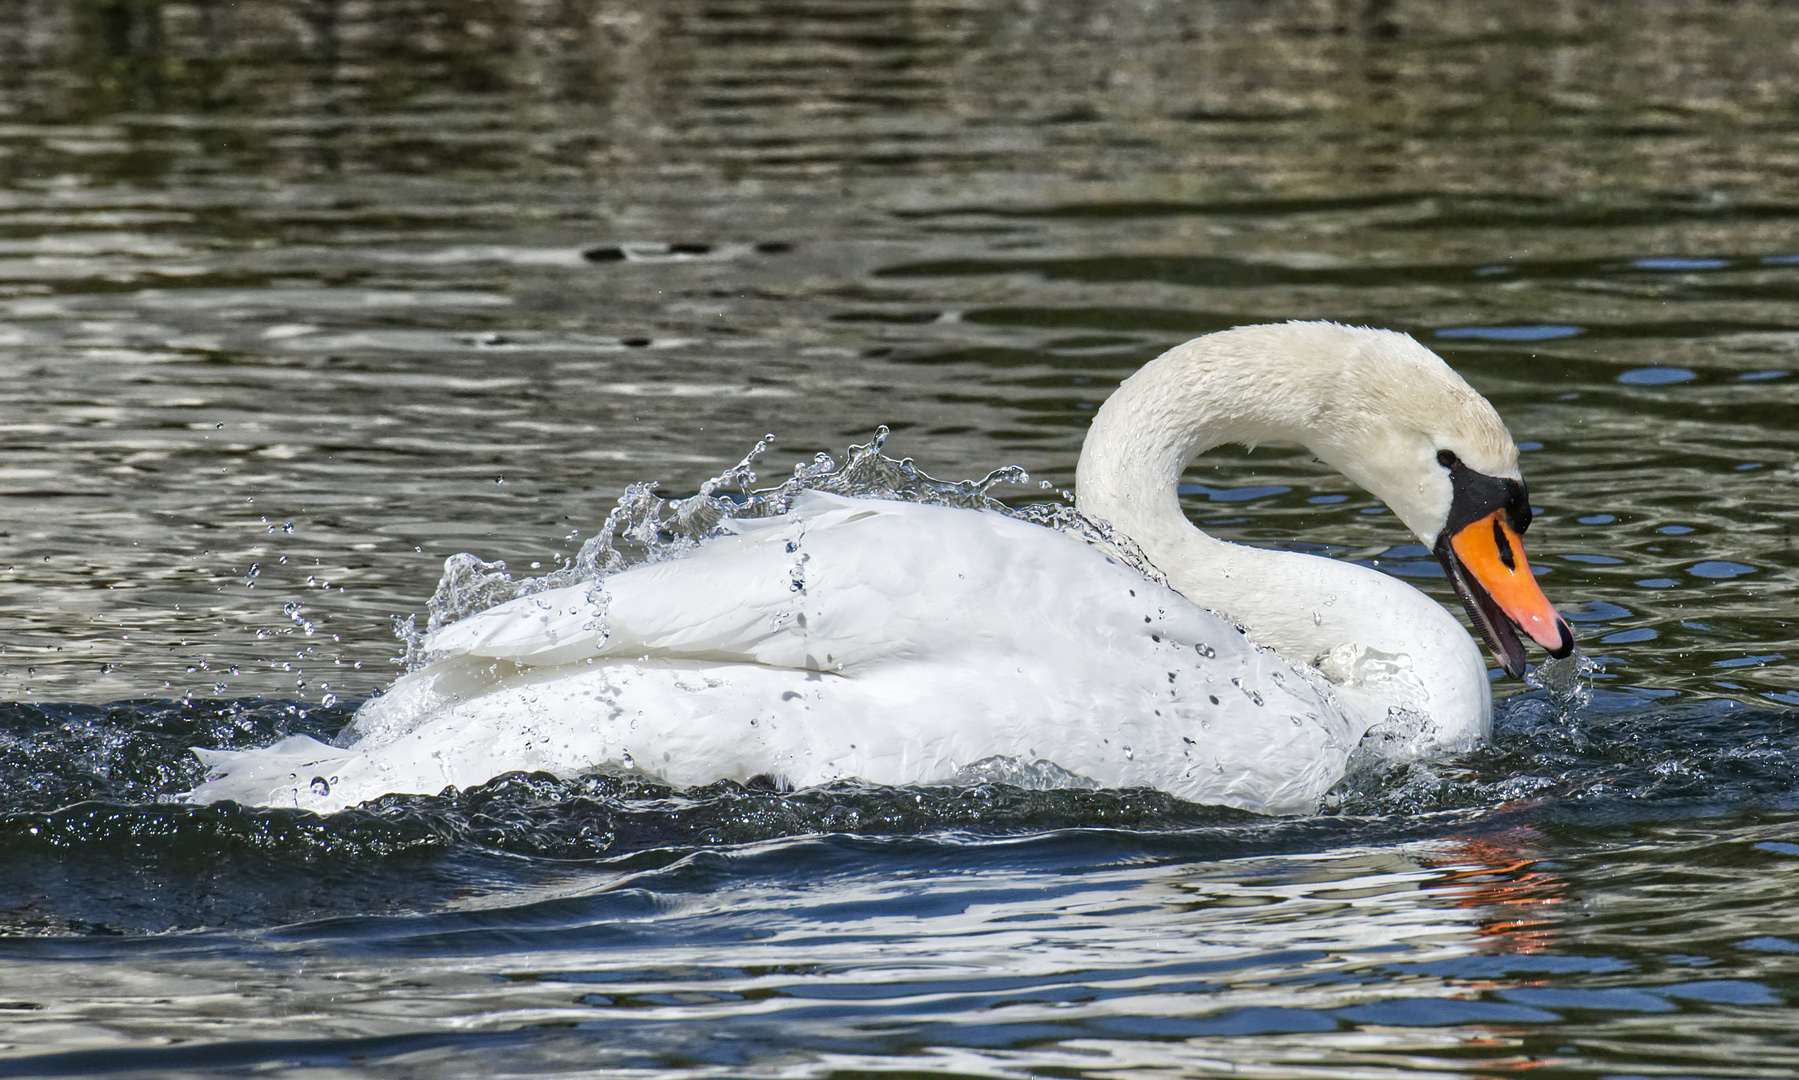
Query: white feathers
point(922, 640)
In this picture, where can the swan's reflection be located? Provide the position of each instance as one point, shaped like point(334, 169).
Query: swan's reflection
point(1500, 875)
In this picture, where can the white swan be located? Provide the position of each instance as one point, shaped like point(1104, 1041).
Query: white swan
point(900, 642)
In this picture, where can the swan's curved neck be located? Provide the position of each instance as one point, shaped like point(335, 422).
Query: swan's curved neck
point(1187, 401)
point(1275, 385)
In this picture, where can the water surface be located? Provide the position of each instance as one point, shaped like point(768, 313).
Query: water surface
point(297, 300)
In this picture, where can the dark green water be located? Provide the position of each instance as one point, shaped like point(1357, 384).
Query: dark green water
point(297, 299)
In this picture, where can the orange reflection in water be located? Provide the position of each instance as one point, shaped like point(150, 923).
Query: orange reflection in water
point(1500, 873)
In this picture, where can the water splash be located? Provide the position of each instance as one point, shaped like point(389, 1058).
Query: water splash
point(469, 584)
point(1035, 775)
point(1567, 683)
point(296, 614)
point(645, 527)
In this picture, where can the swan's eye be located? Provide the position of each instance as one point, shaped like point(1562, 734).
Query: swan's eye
point(1447, 459)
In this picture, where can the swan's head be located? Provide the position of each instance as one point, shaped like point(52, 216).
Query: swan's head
point(1397, 420)
point(1384, 410)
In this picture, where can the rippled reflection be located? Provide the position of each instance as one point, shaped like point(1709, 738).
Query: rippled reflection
point(1408, 957)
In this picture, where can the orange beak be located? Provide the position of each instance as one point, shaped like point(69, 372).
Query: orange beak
point(1485, 561)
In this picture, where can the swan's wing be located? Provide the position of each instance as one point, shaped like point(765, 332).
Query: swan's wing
point(835, 583)
point(734, 599)
point(555, 627)
point(723, 601)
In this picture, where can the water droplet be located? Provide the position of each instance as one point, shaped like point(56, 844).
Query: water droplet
point(321, 786)
point(1129, 754)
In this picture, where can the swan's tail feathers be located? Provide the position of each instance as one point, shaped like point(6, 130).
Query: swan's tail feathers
point(297, 771)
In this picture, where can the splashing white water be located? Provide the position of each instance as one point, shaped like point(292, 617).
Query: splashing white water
point(644, 527)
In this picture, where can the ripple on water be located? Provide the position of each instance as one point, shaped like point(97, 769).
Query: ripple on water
point(577, 251)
